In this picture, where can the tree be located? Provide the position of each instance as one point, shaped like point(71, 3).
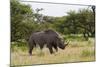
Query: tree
point(20, 15)
point(80, 22)
point(86, 19)
point(58, 24)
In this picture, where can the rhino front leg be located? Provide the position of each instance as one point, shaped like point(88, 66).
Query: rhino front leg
point(50, 49)
point(55, 47)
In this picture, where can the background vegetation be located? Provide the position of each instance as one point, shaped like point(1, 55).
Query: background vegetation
point(77, 27)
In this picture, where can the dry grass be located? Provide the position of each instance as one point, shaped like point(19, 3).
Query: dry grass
point(75, 53)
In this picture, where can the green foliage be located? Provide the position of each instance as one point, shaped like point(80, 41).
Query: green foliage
point(21, 45)
point(81, 22)
point(23, 21)
point(58, 24)
point(73, 37)
point(20, 14)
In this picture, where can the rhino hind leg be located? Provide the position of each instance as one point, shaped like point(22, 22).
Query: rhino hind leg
point(31, 46)
point(30, 50)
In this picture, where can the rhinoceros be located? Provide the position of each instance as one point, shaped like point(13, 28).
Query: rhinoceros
point(48, 38)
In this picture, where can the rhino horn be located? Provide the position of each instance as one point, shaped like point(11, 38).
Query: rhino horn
point(66, 43)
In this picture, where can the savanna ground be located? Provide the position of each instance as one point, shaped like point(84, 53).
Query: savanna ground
point(78, 50)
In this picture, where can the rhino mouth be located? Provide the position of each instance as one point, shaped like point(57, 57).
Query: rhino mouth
point(65, 45)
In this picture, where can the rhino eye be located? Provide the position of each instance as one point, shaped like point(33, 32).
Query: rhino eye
point(62, 40)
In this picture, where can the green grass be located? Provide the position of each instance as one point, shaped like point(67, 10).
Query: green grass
point(73, 37)
point(86, 53)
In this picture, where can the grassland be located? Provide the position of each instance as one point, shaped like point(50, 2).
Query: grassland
point(76, 51)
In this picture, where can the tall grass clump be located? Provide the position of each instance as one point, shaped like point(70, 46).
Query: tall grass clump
point(86, 53)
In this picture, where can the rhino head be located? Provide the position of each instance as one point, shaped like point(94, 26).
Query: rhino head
point(61, 44)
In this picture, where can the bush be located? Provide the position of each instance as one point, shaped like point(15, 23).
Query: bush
point(15, 46)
